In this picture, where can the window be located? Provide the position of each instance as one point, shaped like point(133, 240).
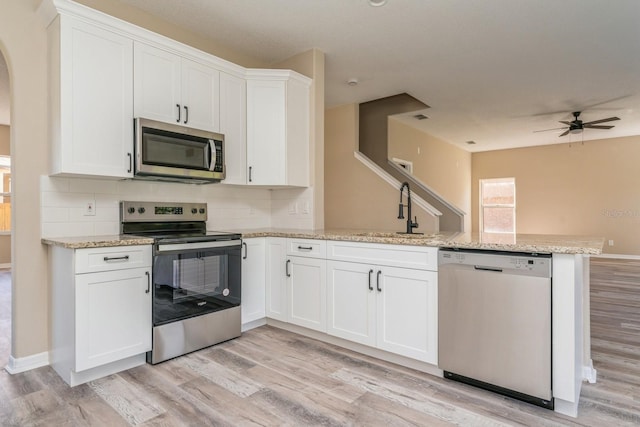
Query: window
point(498, 205)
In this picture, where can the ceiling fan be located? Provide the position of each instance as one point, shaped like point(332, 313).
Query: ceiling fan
point(577, 125)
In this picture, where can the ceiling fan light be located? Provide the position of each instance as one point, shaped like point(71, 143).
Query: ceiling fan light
point(577, 130)
point(377, 3)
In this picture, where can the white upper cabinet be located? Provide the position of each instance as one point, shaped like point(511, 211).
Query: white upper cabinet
point(173, 89)
point(233, 124)
point(277, 128)
point(91, 100)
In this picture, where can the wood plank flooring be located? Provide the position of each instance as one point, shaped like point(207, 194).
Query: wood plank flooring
point(272, 377)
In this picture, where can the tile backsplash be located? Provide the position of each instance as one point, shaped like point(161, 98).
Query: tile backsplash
point(231, 208)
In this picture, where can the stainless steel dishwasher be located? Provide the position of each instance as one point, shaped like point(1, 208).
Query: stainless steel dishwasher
point(494, 322)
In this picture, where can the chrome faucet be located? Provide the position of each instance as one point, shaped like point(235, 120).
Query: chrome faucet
point(410, 224)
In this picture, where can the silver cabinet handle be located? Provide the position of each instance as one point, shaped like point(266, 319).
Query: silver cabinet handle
point(148, 282)
point(305, 248)
point(178, 105)
point(370, 273)
point(246, 251)
point(116, 258)
point(378, 280)
point(286, 268)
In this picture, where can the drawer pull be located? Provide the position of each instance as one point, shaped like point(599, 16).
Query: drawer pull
point(305, 248)
point(116, 258)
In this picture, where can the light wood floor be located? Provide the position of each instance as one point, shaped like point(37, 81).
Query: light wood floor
point(273, 377)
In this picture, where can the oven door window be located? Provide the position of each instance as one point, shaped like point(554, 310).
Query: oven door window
point(189, 284)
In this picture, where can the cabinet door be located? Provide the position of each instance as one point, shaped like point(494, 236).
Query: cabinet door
point(253, 279)
point(233, 125)
point(276, 288)
point(407, 313)
point(157, 84)
point(113, 316)
point(351, 301)
point(200, 96)
point(96, 108)
point(307, 291)
point(266, 134)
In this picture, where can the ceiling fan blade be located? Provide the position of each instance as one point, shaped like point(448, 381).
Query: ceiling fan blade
point(587, 125)
point(609, 119)
point(547, 130)
point(565, 133)
point(565, 122)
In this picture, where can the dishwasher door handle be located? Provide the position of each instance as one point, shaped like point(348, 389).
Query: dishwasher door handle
point(482, 268)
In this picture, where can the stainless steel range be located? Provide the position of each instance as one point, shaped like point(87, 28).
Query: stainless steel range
point(196, 276)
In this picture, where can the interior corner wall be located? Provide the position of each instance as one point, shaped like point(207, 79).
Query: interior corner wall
point(588, 188)
point(355, 197)
point(311, 64)
point(441, 166)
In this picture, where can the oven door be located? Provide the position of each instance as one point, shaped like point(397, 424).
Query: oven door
point(191, 279)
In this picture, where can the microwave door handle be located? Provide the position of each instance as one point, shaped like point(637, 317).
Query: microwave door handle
point(213, 155)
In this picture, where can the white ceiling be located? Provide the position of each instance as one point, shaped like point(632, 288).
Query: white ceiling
point(491, 70)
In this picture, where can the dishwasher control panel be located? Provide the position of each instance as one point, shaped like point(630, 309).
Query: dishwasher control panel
point(515, 263)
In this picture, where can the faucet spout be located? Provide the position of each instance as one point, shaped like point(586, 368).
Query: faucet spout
point(410, 224)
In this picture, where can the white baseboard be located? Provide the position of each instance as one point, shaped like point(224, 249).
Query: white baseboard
point(254, 324)
point(22, 364)
point(589, 373)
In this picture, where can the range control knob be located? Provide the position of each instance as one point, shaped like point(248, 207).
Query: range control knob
point(141, 210)
point(201, 210)
point(131, 210)
point(194, 211)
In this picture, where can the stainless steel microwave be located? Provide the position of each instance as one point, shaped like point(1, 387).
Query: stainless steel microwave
point(168, 152)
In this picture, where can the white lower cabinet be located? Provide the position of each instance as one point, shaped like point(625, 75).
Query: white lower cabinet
point(377, 304)
point(253, 280)
point(307, 292)
point(387, 299)
point(100, 310)
point(113, 316)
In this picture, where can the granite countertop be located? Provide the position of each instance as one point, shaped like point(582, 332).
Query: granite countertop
point(84, 242)
point(498, 242)
point(539, 243)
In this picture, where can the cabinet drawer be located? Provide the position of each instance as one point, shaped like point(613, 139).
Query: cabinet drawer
point(92, 260)
point(307, 247)
point(417, 257)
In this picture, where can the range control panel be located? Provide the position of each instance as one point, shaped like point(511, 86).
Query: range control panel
point(162, 211)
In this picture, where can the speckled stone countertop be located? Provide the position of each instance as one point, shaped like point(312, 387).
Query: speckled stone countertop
point(96, 241)
point(538, 243)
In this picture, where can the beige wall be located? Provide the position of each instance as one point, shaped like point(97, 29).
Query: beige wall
point(5, 148)
point(586, 189)
point(24, 45)
point(441, 166)
point(355, 197)
point(311, 64)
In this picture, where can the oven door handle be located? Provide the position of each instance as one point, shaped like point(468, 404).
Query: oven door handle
point(166, 247)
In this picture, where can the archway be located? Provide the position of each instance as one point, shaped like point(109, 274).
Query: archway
point(5, 215)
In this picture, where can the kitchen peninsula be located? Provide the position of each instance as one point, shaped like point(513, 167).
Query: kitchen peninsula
point(274, 259)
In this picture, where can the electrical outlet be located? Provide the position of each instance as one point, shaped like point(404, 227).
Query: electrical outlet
point(610, 242)
point(293, 208)
point(306, 207)
point(89, 208)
